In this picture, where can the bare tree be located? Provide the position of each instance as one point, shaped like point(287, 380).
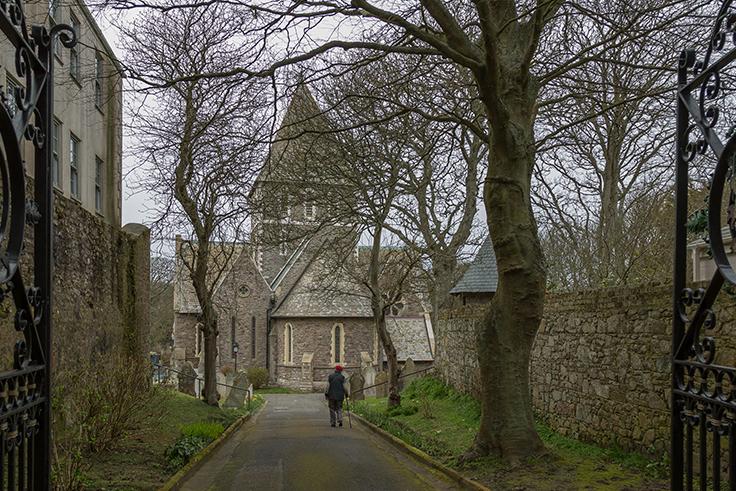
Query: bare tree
point(498, 43)
point(198, 144)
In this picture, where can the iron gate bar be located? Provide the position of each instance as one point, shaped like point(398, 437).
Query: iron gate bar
point(25, 401)
point(699, 395)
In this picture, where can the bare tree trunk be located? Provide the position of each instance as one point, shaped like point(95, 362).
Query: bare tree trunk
point(507, 333)
point(394, 398)
point(210, 394)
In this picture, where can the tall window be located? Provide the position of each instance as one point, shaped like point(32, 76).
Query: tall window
point(55, 18)
point(282, 244)
point(11, 89)
point(74, 63)
point(99, 72)
point(232, 335)
point(99, 177)
point(309, 209)
point(55, 151)
point(74, 165)
point(253, 336)
point(288, 344)
point(338, 343)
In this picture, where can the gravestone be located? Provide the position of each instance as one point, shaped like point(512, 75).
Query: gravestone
point(187, 378)
point(408, 373)
point(369, 379)
point(356, 387)
point(237, 395)
point(381, 385)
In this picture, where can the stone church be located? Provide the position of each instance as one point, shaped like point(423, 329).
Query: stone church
point(275, 309)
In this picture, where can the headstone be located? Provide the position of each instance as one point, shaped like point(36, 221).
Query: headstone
point(408, 373)
point(179, 356)
point(381, 384)
point(365, 359)
point(237, 395)
point(356, 386)
point(187, 378)
point(369, 379)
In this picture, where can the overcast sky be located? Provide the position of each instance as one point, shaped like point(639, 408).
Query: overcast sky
point(133, 204)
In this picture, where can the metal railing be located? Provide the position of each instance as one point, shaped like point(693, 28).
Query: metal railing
point(386, 382)
point(248, 392)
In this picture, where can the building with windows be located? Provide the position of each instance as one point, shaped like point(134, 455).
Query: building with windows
point(87, 131)
point(272, 300)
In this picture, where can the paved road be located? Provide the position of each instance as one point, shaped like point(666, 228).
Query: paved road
point(291, 446)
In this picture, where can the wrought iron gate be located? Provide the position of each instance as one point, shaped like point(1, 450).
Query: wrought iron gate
point(26, 113)
point(703, 391)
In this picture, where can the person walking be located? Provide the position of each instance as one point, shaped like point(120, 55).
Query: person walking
point(335, 395)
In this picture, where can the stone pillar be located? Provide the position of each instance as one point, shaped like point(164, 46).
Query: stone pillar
point(134, 257)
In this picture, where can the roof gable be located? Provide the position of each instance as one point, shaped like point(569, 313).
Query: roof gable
point(482, 274)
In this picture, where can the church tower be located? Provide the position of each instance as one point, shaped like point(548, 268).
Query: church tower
point(288, 192)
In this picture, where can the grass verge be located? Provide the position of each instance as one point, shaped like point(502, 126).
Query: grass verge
point(443, 423)
point(143, 461)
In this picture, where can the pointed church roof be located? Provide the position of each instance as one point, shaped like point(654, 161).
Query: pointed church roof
point(303, 138)
point(482, 275)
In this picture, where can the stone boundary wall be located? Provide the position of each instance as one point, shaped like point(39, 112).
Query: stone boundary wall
point(600, 366)
point(101, 287)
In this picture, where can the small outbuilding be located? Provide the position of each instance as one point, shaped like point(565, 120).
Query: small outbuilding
point(478, 284)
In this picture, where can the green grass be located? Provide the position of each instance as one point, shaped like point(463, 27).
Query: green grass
point(139, 462)
point(443, 423)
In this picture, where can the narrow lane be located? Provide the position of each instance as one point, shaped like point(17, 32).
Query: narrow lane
point(291, 446)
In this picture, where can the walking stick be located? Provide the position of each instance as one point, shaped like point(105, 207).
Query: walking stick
point(347, 406)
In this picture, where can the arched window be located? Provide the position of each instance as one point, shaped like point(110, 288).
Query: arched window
point(288, 344)
point(338, 344)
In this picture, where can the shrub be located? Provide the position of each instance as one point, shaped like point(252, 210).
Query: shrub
point(183, 449)
point(257, 376)
point(403, 410)
point(426, 407)
point(207, 430)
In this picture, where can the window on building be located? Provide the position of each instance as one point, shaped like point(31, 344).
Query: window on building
point(309, 209)
point(232, 335)
point(54, 10)
point(288, 344)
point(55, 152)
point(253, 336)
point(99, 73)
point(55, 18)
point(198, 338)
point(99, 179)
point(11, 89)
point(74, 143)
point(74, 61)
point(338, 343)
point(283, 249)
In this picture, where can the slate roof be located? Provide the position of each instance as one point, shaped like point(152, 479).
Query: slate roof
point(312, 296)
point(482, 274)
point(411, 337)
point(185, 298)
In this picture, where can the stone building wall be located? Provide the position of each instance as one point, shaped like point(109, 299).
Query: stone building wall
point(314, 335)
point(600, 366)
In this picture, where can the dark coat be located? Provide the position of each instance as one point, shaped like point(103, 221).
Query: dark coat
point(336, 389)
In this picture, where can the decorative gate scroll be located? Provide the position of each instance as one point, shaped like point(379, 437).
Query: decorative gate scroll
point(704, 392)
point(26, 113)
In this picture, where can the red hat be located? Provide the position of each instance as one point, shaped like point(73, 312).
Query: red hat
point(338, 368)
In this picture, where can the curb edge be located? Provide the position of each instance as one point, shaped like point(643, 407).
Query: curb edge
point(178, 479)
point(421, 456)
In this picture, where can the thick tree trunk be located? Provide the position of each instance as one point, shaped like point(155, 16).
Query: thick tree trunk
point(506, 335)
point(210, 394)
point(443, 275)
point(394, 397)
